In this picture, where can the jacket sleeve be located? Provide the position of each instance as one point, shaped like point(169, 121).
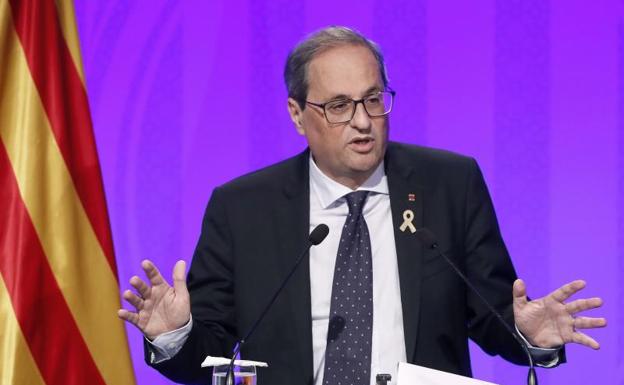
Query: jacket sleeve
point(489, 267)
point(210, 284)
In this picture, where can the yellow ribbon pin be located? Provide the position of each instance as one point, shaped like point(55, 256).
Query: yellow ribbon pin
point(408, 216)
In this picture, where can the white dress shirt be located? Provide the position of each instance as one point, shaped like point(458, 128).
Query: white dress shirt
point(328, 205)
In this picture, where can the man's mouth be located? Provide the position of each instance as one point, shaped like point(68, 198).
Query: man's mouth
point(363, 144)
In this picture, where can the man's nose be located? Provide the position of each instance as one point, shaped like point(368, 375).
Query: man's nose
point(361, 121)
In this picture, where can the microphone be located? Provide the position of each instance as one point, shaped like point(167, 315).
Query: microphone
point(317, 236)
point(430, 242)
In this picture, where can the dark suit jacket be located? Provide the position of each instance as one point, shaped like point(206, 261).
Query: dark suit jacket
point(255, 227)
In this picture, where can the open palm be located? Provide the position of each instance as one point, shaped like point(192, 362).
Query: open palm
point(550, 322)
point(159, 307)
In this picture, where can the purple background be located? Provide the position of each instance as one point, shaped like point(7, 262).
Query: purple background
point(187, 95)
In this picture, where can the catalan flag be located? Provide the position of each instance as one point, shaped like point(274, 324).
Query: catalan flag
point(58, 280)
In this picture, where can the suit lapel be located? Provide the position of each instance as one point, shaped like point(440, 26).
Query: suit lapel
point(293, 222)
point(406, 193)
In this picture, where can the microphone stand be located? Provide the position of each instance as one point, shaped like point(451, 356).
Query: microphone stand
point(429, 240)
point(316, 236)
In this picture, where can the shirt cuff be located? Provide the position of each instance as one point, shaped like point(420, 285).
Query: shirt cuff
point(168, 344)
point(543, 357)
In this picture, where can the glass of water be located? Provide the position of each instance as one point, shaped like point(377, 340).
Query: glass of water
point(243, 375)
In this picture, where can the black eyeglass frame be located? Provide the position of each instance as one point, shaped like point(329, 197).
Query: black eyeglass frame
point(355, 103)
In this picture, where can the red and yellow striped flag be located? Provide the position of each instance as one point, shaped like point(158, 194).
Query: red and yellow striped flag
point(58, 279)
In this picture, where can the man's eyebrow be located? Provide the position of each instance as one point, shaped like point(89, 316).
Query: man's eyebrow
point(370, 90)
point(338, 97)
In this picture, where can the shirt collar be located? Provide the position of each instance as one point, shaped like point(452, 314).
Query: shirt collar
point(328, 191)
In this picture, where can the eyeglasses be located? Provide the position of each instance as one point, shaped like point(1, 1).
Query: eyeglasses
point(343, 110)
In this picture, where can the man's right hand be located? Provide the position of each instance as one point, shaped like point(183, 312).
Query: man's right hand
point(159, 308)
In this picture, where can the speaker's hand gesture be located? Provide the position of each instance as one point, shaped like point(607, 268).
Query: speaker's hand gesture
point(158, 307)
point(550, 321)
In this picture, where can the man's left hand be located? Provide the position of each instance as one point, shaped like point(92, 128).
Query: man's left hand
point(550, 322)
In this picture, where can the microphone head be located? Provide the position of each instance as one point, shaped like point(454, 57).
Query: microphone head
point(318, 234)
point(426, 236)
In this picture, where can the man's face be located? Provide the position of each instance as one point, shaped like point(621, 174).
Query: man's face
point(347, 152)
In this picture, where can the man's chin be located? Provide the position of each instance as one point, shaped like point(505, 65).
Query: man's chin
point(365, 164)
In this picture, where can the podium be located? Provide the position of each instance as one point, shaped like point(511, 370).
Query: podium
point(419, 375)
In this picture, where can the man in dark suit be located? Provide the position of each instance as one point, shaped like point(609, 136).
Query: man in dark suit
point(256, 225)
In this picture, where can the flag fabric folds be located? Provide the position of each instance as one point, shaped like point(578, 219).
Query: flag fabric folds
point(58, 277)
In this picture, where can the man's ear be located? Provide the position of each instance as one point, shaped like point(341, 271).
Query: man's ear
point(296, 115)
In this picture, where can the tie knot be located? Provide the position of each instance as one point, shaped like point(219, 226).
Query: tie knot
point(356, 200)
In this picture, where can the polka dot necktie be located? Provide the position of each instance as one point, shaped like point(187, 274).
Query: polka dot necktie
point(349, 335)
